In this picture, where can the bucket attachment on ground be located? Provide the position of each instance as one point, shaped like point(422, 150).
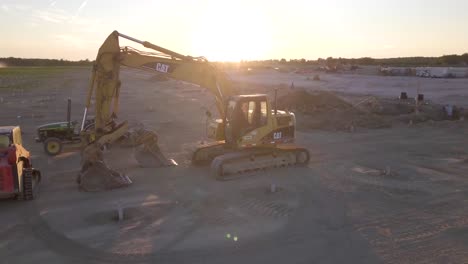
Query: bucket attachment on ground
point(95, 175)
point(152, 157)
point(99, 177)
point(148, 154)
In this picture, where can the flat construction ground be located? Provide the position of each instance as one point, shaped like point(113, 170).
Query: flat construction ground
point(393, 195)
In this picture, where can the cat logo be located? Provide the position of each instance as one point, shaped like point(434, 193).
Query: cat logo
point(162, 67)
point(277, 135)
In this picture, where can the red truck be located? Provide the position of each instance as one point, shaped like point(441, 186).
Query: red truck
point(17, 176)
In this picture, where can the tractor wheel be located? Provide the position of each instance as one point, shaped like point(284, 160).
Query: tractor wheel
point(89, 126)
point(53, 146)
point(302, 157)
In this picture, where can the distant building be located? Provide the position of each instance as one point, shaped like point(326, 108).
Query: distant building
point(426, 72)
point(396, 71)
point(433, 72)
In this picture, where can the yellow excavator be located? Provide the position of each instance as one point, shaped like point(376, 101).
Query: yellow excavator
point(249, 135)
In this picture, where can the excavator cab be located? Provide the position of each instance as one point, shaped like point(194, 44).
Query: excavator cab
point(245, 114)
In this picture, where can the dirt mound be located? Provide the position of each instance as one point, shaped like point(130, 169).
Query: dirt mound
point(311, 102)
point(326, 110)
point(387, 107)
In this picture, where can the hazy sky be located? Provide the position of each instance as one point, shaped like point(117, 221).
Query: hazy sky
point(237, 29)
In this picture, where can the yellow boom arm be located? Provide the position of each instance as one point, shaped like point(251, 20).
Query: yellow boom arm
point(105, 82)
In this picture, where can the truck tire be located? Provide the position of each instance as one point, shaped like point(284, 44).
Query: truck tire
point(19, 196)
point(53, 146)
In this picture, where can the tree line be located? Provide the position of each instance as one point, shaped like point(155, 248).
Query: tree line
point(442, 61)
point(11, 61)
point(446, 60)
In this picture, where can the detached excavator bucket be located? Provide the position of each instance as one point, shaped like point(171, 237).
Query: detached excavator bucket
point(152, 157)
point(99, 177)
point(95, 175)
point(148, 154)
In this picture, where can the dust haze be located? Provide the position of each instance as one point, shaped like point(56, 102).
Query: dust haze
point(386, 182)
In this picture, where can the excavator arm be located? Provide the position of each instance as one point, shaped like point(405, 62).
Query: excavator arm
point(105, 85)
point(105, 82)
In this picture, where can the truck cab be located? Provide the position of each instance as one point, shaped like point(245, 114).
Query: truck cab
point(13, 133)
point(17, 177)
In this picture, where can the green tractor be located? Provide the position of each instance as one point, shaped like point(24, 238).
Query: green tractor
point(55, 135)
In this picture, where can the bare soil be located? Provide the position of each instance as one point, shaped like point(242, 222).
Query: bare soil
point(329, 111)
point(393, 195)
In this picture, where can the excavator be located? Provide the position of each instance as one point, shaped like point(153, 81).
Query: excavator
point(249, 134)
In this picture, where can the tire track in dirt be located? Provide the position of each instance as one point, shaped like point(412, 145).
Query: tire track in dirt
point(414, 230)
point(267, 208)
point(420, 245)
point(414, 236)
point(203, 214)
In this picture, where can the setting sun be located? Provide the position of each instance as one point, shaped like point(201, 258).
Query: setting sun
point(240, 33)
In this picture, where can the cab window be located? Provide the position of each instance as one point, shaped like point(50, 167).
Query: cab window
point(263, 113)
point(251, 114)
point(4, 141)
point(230, 109)
point(255, 113)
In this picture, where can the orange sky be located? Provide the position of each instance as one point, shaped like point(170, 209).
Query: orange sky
point(236, 30)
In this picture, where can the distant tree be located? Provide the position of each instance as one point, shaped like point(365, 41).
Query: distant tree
point(283, 61)
point(464, 58)
point(366, 61)
point(11, 61)
point(451, 59)
point(341, 60)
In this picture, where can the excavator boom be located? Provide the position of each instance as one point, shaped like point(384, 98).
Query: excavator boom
point(195, 70)
point(105, 86)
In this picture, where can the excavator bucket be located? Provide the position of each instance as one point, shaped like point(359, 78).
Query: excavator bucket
point(95, 175)
point(148, 154)
point(99, 177)
point(152, 157)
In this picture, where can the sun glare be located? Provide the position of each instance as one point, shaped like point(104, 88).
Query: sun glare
point(231, 32)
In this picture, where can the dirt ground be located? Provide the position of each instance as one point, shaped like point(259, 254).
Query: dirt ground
point(393, 195)
point(443, 91)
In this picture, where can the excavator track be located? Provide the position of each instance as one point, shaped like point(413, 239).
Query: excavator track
point(206, 153)
point(232, 165)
